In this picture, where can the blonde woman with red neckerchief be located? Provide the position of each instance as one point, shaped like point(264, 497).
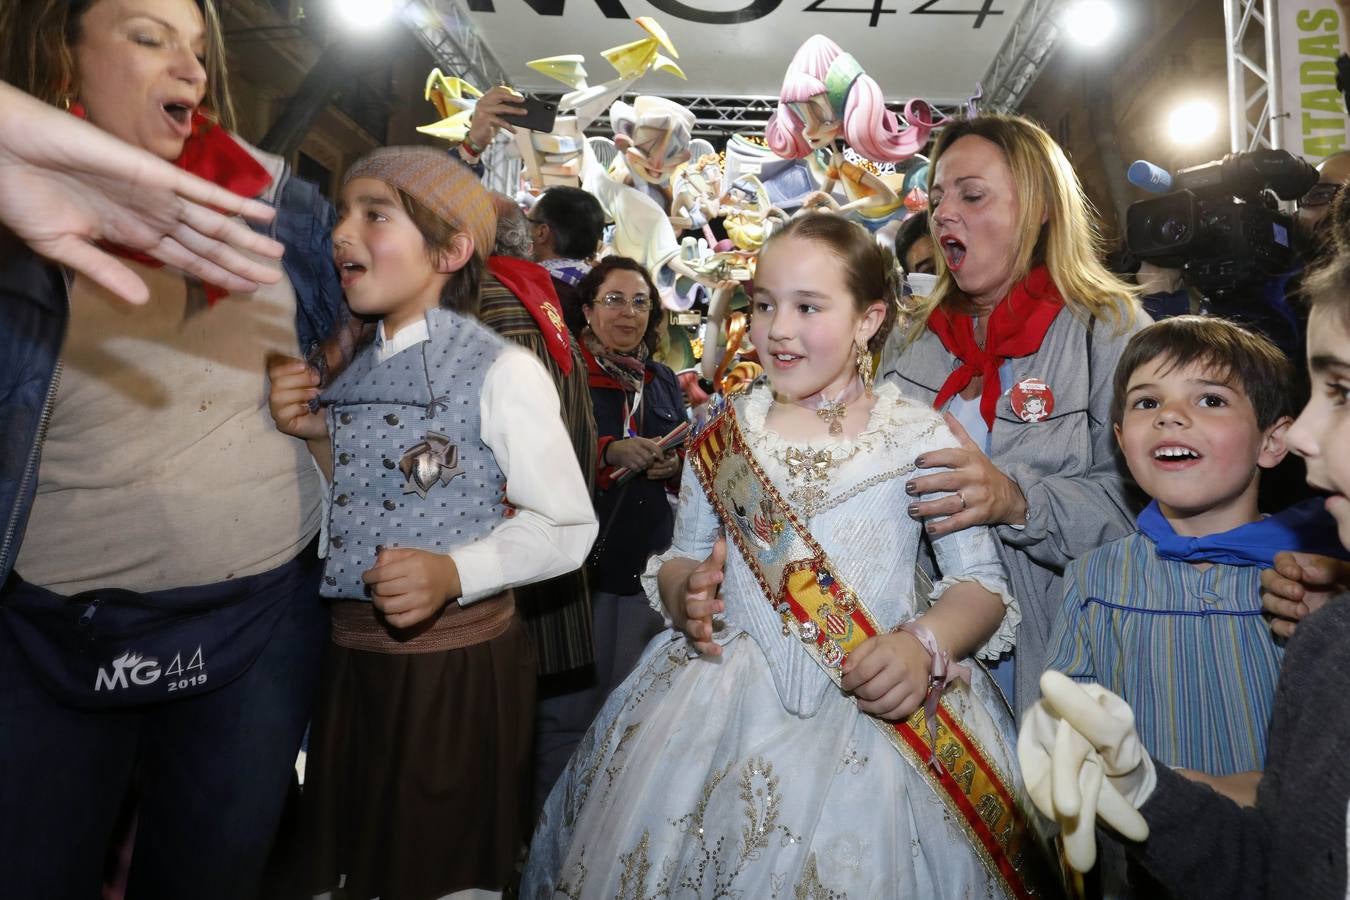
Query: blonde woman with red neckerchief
point(1017, 345)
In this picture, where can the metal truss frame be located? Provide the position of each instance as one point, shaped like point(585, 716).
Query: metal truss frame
point(1024, 53)
point(452, 39)
point(444, 28)
point(1254, 103)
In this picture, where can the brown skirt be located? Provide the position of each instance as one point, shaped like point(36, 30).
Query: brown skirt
point(418, 774)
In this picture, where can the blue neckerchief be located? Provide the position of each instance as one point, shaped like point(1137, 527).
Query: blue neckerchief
point(1305, 526)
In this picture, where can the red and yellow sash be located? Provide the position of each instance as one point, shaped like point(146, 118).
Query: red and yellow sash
point(830, 621)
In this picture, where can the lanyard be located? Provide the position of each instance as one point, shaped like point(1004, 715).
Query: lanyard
point(632, 426)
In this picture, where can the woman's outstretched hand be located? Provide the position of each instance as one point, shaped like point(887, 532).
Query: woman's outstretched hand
point(65, 184)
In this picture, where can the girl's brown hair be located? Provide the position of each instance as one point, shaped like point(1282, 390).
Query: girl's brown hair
point(589, 287)
point(870, 270)
point(37, 38)
point(461, 290)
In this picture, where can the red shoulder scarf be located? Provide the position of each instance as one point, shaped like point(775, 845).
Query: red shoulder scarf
point(533, 286)
point(209, 153)
point(1016, 328)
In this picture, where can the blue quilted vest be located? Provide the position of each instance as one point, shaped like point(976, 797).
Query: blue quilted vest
point(410, 468)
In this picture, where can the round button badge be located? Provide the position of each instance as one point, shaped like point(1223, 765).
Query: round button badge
point(1032, 400)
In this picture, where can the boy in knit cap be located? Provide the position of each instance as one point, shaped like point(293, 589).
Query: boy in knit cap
point(452, 481)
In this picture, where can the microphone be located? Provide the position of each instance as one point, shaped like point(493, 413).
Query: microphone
point(1154, 179)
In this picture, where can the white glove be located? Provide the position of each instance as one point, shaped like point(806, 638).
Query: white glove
point(1082, 761)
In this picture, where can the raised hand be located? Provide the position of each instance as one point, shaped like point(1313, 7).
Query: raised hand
point(492, 113)
point(701, 600)
point(65, 184)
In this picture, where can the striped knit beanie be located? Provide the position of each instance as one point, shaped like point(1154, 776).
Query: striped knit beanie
point(447, 188)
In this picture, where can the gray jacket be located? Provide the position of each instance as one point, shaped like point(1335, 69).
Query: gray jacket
point(1066, 465)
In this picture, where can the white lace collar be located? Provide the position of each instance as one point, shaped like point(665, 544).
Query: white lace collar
point(754, 412)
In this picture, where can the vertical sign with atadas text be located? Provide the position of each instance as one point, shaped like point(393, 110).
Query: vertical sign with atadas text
point(1312, 34)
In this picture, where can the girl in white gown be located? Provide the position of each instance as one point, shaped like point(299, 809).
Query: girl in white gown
point(735, 763)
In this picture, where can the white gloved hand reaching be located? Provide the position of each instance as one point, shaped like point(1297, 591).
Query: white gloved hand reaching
point(1082, 760)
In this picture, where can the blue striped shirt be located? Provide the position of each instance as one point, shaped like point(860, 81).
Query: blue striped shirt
point(1187, 649)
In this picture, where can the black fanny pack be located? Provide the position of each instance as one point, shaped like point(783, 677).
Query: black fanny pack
point(114, 648)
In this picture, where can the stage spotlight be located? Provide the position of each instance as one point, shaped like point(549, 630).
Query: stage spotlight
point(1090, 22)
point(365, 15)
point(1193, 122)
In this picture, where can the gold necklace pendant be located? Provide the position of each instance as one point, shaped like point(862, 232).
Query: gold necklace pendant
point(833, 412)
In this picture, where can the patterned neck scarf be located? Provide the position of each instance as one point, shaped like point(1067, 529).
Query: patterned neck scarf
point(628, 369)
point(568, 271)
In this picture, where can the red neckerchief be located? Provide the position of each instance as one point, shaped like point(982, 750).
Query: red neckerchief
point(1016, 328)
point(210, 153)
point(533, 286)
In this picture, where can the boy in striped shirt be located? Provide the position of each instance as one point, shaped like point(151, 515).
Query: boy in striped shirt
point(1170, 617)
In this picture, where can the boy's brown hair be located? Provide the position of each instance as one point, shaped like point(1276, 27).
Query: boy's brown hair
point(1328, 286)
point(1251, 362)
point(461, 291)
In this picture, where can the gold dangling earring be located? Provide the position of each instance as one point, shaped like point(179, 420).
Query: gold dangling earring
point(863, 360)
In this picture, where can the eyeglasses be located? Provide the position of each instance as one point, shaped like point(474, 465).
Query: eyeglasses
point(640, 303)
point(1320, 194)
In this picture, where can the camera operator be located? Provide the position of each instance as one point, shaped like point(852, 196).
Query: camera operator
point(1223, 229)
point(1312, 223)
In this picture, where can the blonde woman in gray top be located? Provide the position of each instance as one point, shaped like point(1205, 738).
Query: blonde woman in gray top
point(1017, 344)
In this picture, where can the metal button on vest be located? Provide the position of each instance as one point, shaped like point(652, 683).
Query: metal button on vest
point(329, 579)
point(337, 541)
point(342, 500)
point(344, 458)
point(390, 505)
point(345, 418)
point(391, 419)
point(389, 463)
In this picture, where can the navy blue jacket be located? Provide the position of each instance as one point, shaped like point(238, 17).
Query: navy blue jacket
point(35, 307)
point(636, 520)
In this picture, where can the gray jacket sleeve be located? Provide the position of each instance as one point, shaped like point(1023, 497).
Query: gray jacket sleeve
point(1201, 844)
point(1069, 516)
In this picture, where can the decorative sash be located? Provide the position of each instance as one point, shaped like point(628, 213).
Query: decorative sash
point(830, 620)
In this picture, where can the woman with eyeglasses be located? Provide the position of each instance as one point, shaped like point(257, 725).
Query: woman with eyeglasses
point(637, 401)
